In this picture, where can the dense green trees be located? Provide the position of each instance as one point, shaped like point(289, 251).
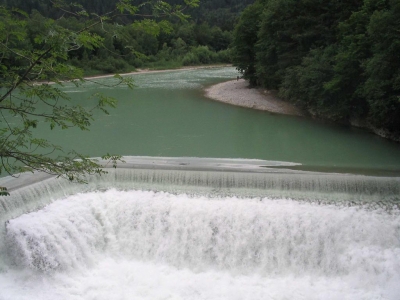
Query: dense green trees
point(220, 13)
point(338, 59)
point(245, 38)
point(382, 67)
point(128, 46)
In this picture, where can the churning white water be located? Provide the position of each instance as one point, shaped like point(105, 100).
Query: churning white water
point(157, 245)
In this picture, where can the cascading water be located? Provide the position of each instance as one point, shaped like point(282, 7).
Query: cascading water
point(202, 229)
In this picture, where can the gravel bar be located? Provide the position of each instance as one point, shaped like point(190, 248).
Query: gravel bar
point(237, 92)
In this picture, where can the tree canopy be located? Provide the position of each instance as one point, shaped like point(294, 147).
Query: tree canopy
point(337, 59)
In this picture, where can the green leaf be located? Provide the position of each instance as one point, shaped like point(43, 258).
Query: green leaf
point(3, 191)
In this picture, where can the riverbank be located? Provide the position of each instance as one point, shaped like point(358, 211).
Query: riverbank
point(145, 71)
point(139, 71)
point(237, 92)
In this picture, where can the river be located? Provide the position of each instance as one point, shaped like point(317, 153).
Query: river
point(167, 115)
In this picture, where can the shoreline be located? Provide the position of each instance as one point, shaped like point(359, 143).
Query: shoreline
point(234, 92)
point(138, 72)
point(149, 71)
point(238, 93)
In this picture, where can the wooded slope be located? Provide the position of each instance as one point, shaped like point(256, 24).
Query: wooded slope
point(338, 59)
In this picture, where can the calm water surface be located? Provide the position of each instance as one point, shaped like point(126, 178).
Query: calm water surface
point(168, 115)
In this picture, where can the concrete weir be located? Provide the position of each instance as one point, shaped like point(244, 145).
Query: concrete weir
point(158, 226)
point(210, 176)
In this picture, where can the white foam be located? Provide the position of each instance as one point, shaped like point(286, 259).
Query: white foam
point(122, 279)
point(147, 245)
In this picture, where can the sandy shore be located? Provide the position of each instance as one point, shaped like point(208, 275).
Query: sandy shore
point(238, 93)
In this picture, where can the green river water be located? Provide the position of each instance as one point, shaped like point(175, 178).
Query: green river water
point(168, 115)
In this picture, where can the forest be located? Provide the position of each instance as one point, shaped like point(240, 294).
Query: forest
point(202, 38)
point(339, 60)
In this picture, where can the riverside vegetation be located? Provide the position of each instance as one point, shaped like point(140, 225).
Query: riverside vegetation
point(129, 42)
point(340, 60)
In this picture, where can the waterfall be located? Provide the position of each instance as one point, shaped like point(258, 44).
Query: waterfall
point(256, 231)
point(245, 235)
